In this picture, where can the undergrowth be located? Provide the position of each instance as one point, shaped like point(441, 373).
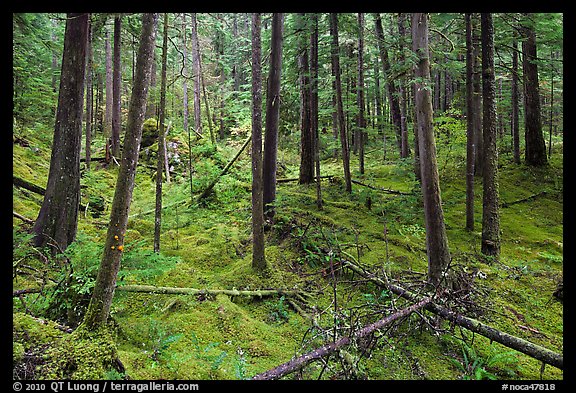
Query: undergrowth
point(209, 246)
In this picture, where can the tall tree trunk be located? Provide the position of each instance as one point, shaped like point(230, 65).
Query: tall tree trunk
point(89, 95)
point(196, 74)
point(490, 208)
point(272, 116)
point(103, 293)
point(551, 101)
point(392, 92)
point(335, 48)
point(258, 257)
point(436, 239)
point(535, 153)
point(185, 72)
point(116, 88)
point(314, 104)
point(515, 104)
point(470, 147)
point(361, 122)
point(57, 220)
point(405, 147)
point(161, 153)
point(109, 96)
point(477, 97)
point(306, 143)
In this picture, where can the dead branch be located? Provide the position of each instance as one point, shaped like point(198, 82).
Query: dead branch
point(193, 291)
point(224, 171)
point(301, 361)
point(386, 190)
point(528, 198)
point(290, 179)
point(27, 185)
point(21, 217)
point(533, 350)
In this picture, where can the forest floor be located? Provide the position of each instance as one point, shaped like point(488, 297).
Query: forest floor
point(208, 246)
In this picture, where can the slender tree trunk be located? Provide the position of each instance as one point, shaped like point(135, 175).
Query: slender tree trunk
point(436, 238)
point(185, 72)
point(89, 95)
point(314, 104)
point(306, 142)
point(161, 153)
point(470, 147)
point(336, 71)
point(104, 287)
point(392, 92)
point(515, 104)
point(196, 75)
point(477, 100)
point(405, 147)
point(272, 116)
point(361, 122)
point(57, 220)
point(535, 153)
point(116, 88)
point(258, 257)
point(551, 102)
point(490, 208)
point(109, 96)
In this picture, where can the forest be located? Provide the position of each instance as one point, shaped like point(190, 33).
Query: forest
point(287, 196)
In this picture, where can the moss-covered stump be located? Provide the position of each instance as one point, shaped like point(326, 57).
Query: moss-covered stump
point(43, 351)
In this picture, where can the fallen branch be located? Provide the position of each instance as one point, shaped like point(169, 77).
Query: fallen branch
point(193, 291)
point(224, 171)
point(533, 350)
point(386, 190)
point(528, 198)
point(290, 179)
point(302, 360)
point(27, 185)
point(21, 217)
point(21, 292)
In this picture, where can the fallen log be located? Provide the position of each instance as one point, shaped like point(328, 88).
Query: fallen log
point(290, 179)
point(224, 171)
point(302, 360)
point(386, 190)
point(194, 291)
point(526, 347)
point(528, 198)
point(27, 185)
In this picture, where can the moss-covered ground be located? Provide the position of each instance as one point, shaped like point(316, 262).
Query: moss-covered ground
point(208, 245)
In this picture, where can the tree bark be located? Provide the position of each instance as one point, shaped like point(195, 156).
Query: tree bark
point(89, 95)
point(272, 116)
point(306, 143)
point(116, 88)
point(161, 152)
point(335, 48)
point(196, 74)
point(515, 104)
point(535, 153)
point(405, 147)
point(314, 104)
point(58, 217)
point(490, 210)
point(361, 121)
point(477, 97)
point(392, 92)
point(258, 257)
point(436, 239)
point(103, 293)
point(470, 146)
point(109, 94)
